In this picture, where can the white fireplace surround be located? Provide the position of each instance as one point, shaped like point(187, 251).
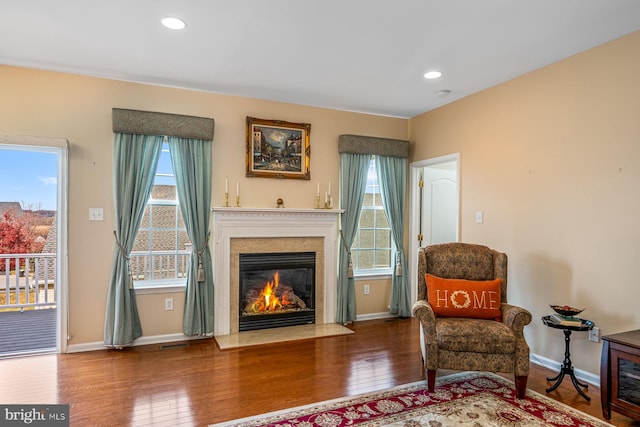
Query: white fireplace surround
point(242, 223)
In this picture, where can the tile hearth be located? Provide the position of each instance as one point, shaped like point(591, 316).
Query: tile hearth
point(274, 335)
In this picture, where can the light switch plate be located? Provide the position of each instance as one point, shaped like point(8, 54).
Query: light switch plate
point(96, 214)
point(479, 217)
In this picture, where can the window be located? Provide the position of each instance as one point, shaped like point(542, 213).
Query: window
point(371, 249)
point(160, 255)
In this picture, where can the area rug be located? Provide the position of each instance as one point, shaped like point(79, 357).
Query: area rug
point(473, 399)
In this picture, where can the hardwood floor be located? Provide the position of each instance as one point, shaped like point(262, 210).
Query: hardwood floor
point(197, 384)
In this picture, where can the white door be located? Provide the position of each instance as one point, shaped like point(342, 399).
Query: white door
point(434, 207)
point(440, 203)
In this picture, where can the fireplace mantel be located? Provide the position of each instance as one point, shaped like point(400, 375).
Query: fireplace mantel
point(247, 223)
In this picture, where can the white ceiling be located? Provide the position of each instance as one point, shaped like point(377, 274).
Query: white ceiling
point(356, 55)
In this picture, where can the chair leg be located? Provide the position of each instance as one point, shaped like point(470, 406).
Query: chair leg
point(521, 386)
point(431, 380)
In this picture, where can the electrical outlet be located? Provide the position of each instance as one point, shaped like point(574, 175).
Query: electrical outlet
point(367, 289)
point(168, 304)
point(594, 334)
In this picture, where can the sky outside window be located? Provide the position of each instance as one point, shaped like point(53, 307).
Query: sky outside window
point(28, 177)
point(164, 172)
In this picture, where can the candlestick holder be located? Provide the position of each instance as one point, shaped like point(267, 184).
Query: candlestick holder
point(226, 199)
point(318, 201)
point(329, 203)
point(237, 201)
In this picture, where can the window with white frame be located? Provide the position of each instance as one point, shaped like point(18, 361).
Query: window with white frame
point(160, 255)
point(371, 249)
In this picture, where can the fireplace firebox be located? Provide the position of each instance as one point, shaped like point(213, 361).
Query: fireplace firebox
point(276, 289)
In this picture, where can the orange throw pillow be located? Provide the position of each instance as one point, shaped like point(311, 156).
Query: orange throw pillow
point(464, 298)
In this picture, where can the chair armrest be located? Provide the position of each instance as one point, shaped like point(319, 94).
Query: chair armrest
point(515, 317)
point(422, 308)
point(423, 311)
point(428, 341)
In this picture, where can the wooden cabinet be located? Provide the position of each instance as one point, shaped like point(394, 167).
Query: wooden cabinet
point(620, 374)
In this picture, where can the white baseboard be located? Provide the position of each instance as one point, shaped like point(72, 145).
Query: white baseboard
point(154, 339)
point(374, 316)
point(588, 377)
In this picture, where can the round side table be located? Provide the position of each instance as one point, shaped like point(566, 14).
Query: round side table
point(567, 367)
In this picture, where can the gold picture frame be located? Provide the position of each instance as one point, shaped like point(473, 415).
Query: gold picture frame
point(278, 149)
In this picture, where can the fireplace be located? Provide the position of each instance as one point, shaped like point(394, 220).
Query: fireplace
point(240, 231)
point(276, 289)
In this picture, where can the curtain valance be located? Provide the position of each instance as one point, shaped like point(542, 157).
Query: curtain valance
point(357, 144)
point(165, 124)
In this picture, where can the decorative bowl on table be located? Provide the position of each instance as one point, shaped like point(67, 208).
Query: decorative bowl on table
point(565, 310)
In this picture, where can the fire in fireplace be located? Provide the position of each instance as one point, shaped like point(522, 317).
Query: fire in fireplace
point(273, 298)
point(276, 289)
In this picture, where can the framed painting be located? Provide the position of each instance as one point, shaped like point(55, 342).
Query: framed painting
point(278, 149)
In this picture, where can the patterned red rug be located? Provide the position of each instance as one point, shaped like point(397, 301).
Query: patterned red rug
point(474, 399)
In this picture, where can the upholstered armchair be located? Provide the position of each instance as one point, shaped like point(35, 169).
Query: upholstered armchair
point(467, 343)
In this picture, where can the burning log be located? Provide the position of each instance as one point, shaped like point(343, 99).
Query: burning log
point(293, 299)
point(273, 297)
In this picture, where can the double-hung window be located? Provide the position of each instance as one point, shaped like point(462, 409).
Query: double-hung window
point(160, 255)
point(372, 245)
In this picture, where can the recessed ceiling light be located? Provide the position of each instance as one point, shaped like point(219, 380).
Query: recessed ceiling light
point(443, 93)
point(432, 75)
point(173, 23)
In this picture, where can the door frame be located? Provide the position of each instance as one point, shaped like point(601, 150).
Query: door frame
point(59, 146)
point(415, 175)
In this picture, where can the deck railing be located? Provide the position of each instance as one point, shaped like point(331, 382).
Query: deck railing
point(27, 280)
point(159, 265)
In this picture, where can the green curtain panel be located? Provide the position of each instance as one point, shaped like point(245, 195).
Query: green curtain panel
point(191, 160)
point(135, 159)
point(393, 178)
point(391, 162)
point(353, 183)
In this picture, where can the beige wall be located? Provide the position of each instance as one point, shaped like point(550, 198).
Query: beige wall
point(78, 108)
point(553, 160)
point(376, 303)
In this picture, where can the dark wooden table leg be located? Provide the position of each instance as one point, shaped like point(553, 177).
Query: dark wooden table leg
point(567, 369)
